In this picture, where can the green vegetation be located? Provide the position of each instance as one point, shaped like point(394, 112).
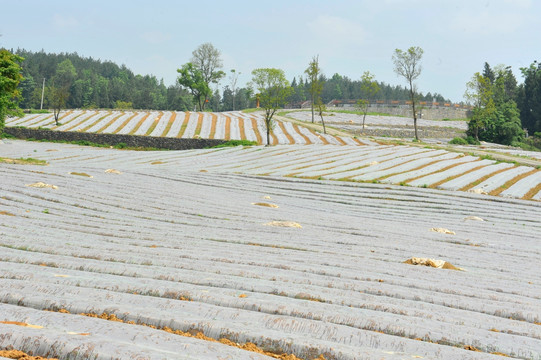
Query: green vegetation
point(10, 77)
point(458, 141)
point(408, 65)
point(272, 90)
point(232, 143)
point(495, 116)
point(370, 87)
point(93, 144)
point(23, 161)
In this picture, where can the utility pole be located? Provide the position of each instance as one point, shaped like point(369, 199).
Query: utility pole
point(42, 92)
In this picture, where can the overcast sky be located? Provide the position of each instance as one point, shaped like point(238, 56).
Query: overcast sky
point(158, 36)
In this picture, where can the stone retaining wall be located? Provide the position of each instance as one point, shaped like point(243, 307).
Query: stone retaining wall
point(113, 139)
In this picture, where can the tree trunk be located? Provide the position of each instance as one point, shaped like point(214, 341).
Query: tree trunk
point(312, 105)
point(322, 121)
point(414, 113)
point(364, 117)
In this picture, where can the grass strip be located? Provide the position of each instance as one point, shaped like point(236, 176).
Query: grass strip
point(23, 161)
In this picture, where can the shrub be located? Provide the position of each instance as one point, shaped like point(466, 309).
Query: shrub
point(458, 141)
point(471, 140)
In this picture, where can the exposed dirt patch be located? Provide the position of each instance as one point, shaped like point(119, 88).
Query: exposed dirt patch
point(81, 174)
point(6, 213)
point(112, 171)
point(284, 224)
point(274, 206)
point(443, 231)
point(439, 264)
point(16, 354)
point(42, 185)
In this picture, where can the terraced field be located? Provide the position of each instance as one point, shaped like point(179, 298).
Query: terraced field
point(388, 164)
point(184, 242)
point(228, 126)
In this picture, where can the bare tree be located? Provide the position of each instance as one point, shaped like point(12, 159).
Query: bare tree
point(408, 65)
point(233, 82)
point(316, 87)
point(208, 60)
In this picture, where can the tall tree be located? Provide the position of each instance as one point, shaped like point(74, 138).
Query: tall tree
point(192, 79)
point(272, 90)
point(59, 91)
point(479, 93)
point(408, 65)
point(313, 71)
point(10, 77)
point(488, 73)
point(369, 88)
point(233, 78)
point(529, 98)
point(206, 58)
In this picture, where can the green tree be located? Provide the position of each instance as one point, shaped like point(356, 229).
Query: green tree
point(369, 88)
point(529, 98)
point(192, 78)
point(408, 65)
point(233, 78)
point(59, 91)
point(10, 77)
point(479, 93)
point(314, 71)
point(272, 89)
point(495, 116)
point(206, 58)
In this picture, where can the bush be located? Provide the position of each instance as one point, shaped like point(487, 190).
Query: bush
point(458, 141)
point(471, 140)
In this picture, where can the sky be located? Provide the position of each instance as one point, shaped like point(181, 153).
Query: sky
point(350, 36)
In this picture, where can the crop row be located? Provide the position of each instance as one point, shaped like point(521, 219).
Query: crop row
point(228, 126)
point(399, 165)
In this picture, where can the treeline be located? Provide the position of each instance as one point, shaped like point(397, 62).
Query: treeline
point(104, 84)
point(503, 111)
point(343, 88)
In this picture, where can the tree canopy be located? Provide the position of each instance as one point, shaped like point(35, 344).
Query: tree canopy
point(10, 77)
point(495, 116)
point(272, 89)
point(408, 65)
point(201, 72)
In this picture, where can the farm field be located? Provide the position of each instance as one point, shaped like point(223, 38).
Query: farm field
point(376, 121)
point(386, 164)
point(225, 125)
point(201, 241)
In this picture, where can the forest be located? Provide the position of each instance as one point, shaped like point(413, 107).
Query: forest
point(104, 84)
